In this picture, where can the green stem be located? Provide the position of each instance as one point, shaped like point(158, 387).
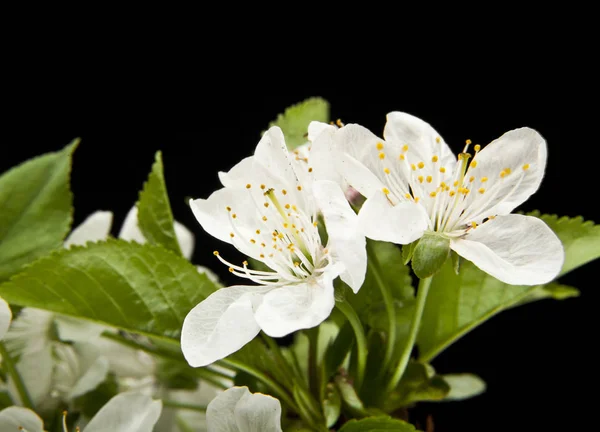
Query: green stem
point(314, 378)
point(280, 391)
point(412, 335)
point(274, 348)
point(361, 341)
point(16, 377)
point(389, 307)
point(180, 405)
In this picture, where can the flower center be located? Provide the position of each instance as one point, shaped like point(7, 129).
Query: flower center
point(457, 198)
point(284, 237)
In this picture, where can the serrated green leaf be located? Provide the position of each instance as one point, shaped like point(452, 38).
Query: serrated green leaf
point(139, 288)
point(458, 303)
point(463, 386)
point(377, 424)
point(155, 218)
point(36, 209)
point(580, 239)
point(296, 118)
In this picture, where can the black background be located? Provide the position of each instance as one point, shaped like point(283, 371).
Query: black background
point(205, 110)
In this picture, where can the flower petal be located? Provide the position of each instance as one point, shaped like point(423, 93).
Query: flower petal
point(323, 152)
point(345, 241)
point(220, 412)
point(16, 419)
point(423, 140)
point(186, 240)
point(126, 412)
point(90, 379)
point(5, 317)
point(221, 324)
point(514, 165)
point(272, 153)
point(315, 128)
point(95, 227)
point(258, 413)
point(76, 329)
point(402, 224)
point(516, 249)
point(36, 372)
point(130, 229)
point(298, 306)
point(357, 175)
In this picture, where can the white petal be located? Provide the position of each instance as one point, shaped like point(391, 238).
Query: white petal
point(126, 412)
point(258, 413)
point(221, 324)
point(315, 128)
point(322, 154)
point(36, 372)
point(516, 249)
point(423, 140)
point(185, 238)
point(5, 317)
point(94, 228)
point(513, 150)
point(220, 412)
point(298, 306)
point(90, 379)
point(272, 153)
point(130, 229)
point(239, 175)
point(345, 240)
point(124, 361)
point(77, 330)
point(402, 224)
point(29, 331)
point(357, 175)
point(16, 419)
point(211, 275)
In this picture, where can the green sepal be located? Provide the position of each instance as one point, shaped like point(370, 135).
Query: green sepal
point(430, 254)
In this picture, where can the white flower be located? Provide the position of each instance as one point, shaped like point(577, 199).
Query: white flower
point(238, 410)
point(126, 412)
point(414, 184)
point(5, 317)
point(268, 210)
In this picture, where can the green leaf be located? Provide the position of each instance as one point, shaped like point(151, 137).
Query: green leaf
point(458, 303)
point(332, 405)
point(580, 239)
point(377, 424)
point(155, 218)
point(419, 383)
point(139, 288)
point(36, 209)
point(430, 254)
point(295, 120)
point(463, 386)
point(351, 401)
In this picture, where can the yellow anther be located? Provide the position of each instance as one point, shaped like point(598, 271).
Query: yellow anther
point(285, 225)
point(481, 190)
point(402, 157)
point(385, 191)
point(301, 229)
point(421, 165)
point(438, 140)
point(473, 163)
point(408, 196)
point(270, 255)
point(339, 123)
point(386, 170)
point(231, 235)
point(216, 253)
point(283, 191)
point(503, 174)
point(315, 223)
point(299, 188)
point(432, 194)
point(287, 206)
point(262, 255)
point(264, 218)
point(442, 170)
point(405, 148)
point(420, 179)
point(252, 241)
point(477, 148)
point(379, 146)
point(262, 186)
point(309, 169)
point(228, 208)
point(245, 263)
point(474, 224)
point(294, 208)
point(525, 167)
point(456, 183)
point(434, 159)
point(382, 155)
point(491, 217)
point(452, 193)
point(234, 216)
point(231, 269)
point(296, 263)
point(263, 245)
point(266, 204)
point(429, 179)
point(484, 179)
point(258, 231)
point(413, 167)
point(468, 142)
point(443, 185)
point(471, 179)
point(416, 199)
point(248, 186)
